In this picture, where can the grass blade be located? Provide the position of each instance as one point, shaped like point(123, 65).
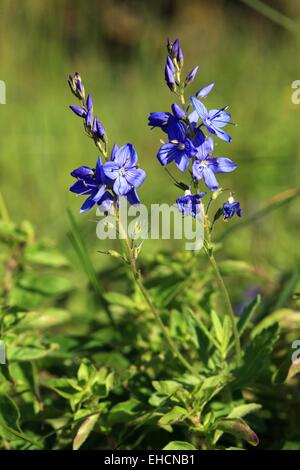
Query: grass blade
point(274, 15)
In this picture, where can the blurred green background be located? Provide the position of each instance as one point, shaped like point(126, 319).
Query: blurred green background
point(119, 49)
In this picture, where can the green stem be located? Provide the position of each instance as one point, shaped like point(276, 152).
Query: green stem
point(137, 279)
point(223, 290)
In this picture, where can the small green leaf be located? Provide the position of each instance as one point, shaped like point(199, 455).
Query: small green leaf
point(179, 445)
point(175, 415)
point(84, 431)
point(115, 298)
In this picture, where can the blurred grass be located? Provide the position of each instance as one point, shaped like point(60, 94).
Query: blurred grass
point(119, 50)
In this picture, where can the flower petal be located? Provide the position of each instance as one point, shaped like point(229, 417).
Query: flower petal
point(175, 129)
point(126, 156)
point(121, 186)
point(80, 187)
point(219, 133)
point(132, 197)
point(87, 205)
point(221, 165)
point(210, 179)
point(219, 117)
point(198, 169)
point(114, 151)
point(135, 176)
point(111, 170)
point(99, 173)
point(97, 196)
point(182, 161)
point(82, 172)
point(199, 139)
point(199, 107)
point(167, 153)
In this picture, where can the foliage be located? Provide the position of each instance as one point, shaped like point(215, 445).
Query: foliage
point(75, 380)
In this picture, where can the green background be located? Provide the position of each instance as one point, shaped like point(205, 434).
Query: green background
point(119, 49)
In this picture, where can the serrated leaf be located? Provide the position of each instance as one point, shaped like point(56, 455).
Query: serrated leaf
point(257, 356)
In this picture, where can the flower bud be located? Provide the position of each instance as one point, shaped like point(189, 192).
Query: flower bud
point(180, 59)
point(98, 129)
point(76, 86)
point(78, 110)
point(191, 75)
point(89, 103)
point(178, 111)
point(169, 77)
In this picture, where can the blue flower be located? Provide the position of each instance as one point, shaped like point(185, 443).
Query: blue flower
point(189, 204)
point(230, 208)
point(123, 171)
point(213, 120)
point(205, 167)
point(158, 119)
point(91, 182)
point(179, 148)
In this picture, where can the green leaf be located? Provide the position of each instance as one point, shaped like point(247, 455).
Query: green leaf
point(176, 415)
point(43, 255)
point(116, 298)
point(234, 266)
point(9, 413)
point(84, 431)
point(125, 411)
point(179, 445)
point(217, 326)
point(239, 429)
point(46, 319)
point(30, 353)
point(257, 356)
point(243, 410)
point(166, 387)
point(282, 317)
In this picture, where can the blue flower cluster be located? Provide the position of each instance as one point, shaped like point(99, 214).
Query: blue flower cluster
point(186, 139)
point(117, 176)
